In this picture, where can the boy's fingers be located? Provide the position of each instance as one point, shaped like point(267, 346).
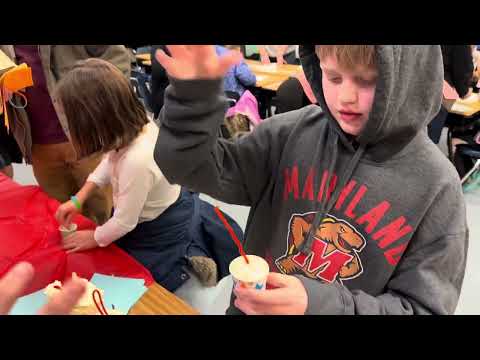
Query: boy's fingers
point(178, 51)
point(259, 309)
point(245, 307)
point(202, 51)
point(166, 61)
point(264, 297)
point(278, 280)
point(65, 300)
point(228, 60)
point(13, 284)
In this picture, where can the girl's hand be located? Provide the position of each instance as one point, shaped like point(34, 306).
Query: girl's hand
point(80, 241)
point(65, 213)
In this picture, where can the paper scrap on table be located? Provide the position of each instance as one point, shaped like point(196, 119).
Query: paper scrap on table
point(29, 304)
point(260, 78)
point(122, 292)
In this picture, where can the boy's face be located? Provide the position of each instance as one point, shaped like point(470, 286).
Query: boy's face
point(349, 94)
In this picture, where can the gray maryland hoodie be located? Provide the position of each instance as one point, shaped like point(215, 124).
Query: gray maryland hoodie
point(375, 227)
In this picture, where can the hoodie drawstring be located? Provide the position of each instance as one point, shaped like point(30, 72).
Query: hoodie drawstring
point(327, 206)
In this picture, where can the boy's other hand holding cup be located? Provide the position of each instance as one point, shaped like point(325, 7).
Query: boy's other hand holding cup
point(288, 297)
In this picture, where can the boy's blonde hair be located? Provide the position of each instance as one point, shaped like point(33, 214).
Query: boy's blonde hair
point(348, 56)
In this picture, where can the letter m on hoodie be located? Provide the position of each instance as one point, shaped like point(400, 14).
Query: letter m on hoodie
point(327, 266)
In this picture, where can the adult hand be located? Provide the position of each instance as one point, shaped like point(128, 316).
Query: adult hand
point(14, 283)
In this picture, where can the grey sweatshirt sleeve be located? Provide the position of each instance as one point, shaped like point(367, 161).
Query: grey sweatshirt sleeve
point(190, 153)
point(427, 280)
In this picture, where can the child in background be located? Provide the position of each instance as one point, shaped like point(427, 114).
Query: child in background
point(165, 227)
point(457, 70)
point(294, 93)
point(281, 54)
point(238, 77)
point(159, 81)
point(354, 208)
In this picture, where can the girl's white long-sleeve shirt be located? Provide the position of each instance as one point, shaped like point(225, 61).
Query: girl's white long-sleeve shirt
point(140, 190)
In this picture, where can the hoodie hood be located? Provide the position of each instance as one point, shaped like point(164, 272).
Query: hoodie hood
point(408, 95)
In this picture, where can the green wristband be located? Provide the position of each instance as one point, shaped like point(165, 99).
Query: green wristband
point(75, 202)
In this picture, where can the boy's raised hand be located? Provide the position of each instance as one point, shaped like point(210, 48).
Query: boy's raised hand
point(191, 62)
point(288, 297)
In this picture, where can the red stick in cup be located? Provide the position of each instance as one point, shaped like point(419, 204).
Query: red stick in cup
point(232, 233)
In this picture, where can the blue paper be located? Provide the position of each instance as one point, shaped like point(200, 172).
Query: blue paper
point(29, 304)
point(122, 292)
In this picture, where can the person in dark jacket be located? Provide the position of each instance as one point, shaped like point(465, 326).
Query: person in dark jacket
point(159, 80)
point(458, 72)
point(458, 67)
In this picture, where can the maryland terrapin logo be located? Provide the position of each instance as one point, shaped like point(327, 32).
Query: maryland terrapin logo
point(334, 253)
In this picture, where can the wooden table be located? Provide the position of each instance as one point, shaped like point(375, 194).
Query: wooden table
point(463, 108)
point(159, 301)
point(143, 57)
point(271, 76)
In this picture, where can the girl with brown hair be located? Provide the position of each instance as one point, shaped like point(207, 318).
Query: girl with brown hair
point(166, 228)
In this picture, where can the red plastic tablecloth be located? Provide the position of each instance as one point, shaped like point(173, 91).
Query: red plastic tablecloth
point(29, 232)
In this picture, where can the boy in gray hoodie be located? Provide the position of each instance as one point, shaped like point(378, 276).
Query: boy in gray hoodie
point(354, 208)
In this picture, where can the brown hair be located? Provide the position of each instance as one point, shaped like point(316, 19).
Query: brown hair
point(348, 56)
point(102, 110)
